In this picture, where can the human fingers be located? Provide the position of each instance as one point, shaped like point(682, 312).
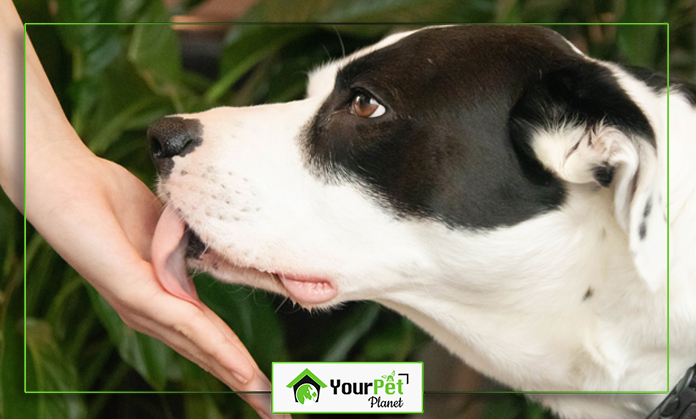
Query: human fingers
point(208, 350)
point(256, 392)
point(261, 402)
point(178, 322)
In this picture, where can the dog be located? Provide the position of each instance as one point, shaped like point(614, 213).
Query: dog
point(494, 184)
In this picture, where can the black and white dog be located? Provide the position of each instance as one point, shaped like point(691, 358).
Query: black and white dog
point(500, 188)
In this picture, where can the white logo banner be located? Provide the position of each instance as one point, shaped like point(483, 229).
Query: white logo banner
point(347, 387)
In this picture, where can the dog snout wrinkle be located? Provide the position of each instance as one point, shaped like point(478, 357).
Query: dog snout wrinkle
point(170, 137)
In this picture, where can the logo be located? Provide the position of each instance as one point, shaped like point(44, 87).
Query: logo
point(377, 389)
point(306, 387)
point(347, 387)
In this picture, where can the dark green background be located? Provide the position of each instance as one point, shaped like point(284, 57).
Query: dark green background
point(115, 80)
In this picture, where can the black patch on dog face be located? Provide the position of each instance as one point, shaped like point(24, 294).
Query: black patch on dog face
point(581, 93)
point(443, 149)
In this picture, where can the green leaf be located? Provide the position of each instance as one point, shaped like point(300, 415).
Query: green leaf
point(94, 47)
point(395, 340)
point(360, 323)
point(201, 406)
point(116, 100)
point(14, 403)
point(154, 52)
point(52, 371)
point(543, 11)
point(250, 314)
point(247, 47)
point(638, 43)
point(503, 408)
point(11, 226)
point(142, 11)
point(508, 11)
point(49, 370)
point(121, 73)
point(44, 271)
point(536, 411)
point(148, 108)
point(343, 11)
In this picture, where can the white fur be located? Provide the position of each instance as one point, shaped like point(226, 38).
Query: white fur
point(508, 301)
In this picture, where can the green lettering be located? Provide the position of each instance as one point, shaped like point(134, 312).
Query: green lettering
point(378, 384)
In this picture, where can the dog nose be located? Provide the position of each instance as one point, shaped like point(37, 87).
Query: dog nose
point(172, 136)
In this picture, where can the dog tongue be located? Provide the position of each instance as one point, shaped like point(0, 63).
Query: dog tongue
point(168, 256)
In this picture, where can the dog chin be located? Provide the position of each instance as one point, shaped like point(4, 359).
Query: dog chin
point(308, 292)
point(226, 271)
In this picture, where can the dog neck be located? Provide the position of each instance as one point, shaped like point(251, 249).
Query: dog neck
point(569, 311)
point(545, 305)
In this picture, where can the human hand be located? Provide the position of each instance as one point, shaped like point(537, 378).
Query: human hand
point(101, 219)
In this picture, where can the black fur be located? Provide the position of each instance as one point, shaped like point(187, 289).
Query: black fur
point(442, 150)
point(454, 143)
point(583, 93)
point(658, 82)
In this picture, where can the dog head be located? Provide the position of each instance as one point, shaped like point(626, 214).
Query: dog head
point(466, 156)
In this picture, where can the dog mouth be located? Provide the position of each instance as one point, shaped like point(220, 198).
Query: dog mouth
point(195, 247)
point(175, 241)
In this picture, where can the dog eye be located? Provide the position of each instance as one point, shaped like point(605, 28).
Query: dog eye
point(366, 106)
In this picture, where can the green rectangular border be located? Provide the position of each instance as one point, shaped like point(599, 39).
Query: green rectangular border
point(666, 24)
point(353, 363)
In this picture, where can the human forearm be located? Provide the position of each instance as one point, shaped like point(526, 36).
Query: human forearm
point(50, 137)
point(11, 119)
point(101, 219)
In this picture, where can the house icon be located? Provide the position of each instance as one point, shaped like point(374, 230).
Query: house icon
point(306, 387)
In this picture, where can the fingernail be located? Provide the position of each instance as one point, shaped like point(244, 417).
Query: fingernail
point(240, 378)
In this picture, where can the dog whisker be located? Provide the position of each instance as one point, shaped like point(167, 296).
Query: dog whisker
point(343, 47)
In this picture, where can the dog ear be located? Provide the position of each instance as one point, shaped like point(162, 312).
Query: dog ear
point(582, 126)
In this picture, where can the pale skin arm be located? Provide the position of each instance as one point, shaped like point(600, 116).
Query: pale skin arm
point(100, 219)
